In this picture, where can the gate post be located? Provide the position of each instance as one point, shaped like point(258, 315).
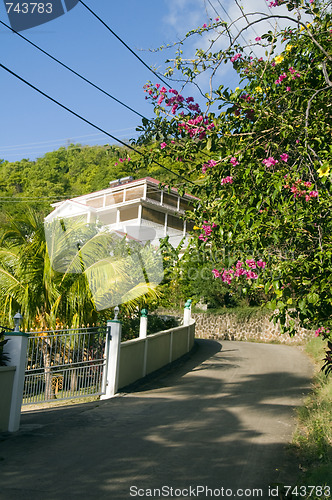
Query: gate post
point(16, 348)
point(113, 358)
point(187, 313)
point(143, 326)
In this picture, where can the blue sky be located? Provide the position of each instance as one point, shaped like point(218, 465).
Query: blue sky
point(31, 125)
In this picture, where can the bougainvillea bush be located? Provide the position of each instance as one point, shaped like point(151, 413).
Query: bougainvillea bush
point(259, 156)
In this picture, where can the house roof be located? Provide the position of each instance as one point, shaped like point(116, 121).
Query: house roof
point(119, 187)
point(82, 208)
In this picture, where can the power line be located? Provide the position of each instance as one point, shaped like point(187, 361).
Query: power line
point(232, 22)
point(244, 14)
point(74, 72)
point(90, 123)
point(48, 143)
point(123, 43)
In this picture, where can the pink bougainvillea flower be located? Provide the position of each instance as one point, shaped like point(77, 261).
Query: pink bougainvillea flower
point(160, 100)
point(163, 145)
point(251, 263)
point(216, 273)
point(284, 157)
point(258, 38)
point(270, 161)
point(313, 194)
point(227, 180)
point(236, 57)
point(261, 264)
point(288, 89)
point(234, 161)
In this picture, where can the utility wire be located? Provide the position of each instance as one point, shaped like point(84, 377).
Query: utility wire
point(48, 143)
point(245, 16)
point(90, 123)
point(74, 72)
point(223, 8)
point(123, 43)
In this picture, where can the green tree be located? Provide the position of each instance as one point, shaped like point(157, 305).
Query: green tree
point(263, 156)
point(67, 277)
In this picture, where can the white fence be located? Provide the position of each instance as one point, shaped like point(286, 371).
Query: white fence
point(89, 364)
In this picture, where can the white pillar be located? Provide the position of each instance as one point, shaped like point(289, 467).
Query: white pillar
point(113, 359)
point(16, 349)
point(143, 326)
point(187, 313)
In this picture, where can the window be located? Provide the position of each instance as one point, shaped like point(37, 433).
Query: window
point(134, 193)
point(170, 199)
point(174, 222)
point(153, 215)
point(96, 202)
point(185, 205)
point(113, 199)
point(128, 213)
point(189, 226)
point(108, 218)
point(153, 193)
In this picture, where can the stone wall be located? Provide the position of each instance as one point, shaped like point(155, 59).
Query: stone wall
point(254, 327)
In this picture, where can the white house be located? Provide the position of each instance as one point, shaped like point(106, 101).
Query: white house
point(131, 207)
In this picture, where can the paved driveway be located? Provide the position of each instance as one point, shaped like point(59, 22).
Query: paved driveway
point(215, 426)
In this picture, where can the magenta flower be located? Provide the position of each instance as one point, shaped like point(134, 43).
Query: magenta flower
point(288, 89)
point(163, 145)
point(234, 161)
point(284, 157)
point(261, 264)
point(216, 273)
point(270, 161)
point(227, 180)
point(251, 275)
point(251, 263)
point(160, 100)
point(258, 38)
point(313, 194)
point(236, 57)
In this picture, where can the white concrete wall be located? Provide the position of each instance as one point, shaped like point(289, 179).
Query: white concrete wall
point(142, 356)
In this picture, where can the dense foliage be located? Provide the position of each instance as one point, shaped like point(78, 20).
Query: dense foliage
point(67, 172)
point(263, 154)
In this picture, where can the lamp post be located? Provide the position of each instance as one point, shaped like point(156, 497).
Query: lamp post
point(17, 321)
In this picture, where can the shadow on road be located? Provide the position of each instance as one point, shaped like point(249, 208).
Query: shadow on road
point(214, 420)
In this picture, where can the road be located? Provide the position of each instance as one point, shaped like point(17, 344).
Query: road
point(218, 421)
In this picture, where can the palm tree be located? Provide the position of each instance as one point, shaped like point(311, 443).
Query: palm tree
point(67, 271)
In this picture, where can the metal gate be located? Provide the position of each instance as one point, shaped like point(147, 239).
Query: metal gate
point(65, 364)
